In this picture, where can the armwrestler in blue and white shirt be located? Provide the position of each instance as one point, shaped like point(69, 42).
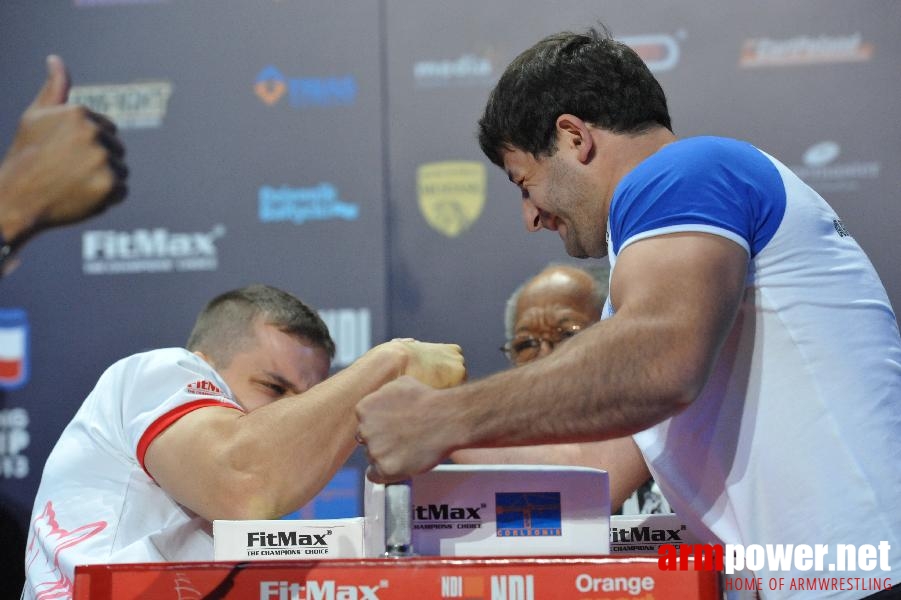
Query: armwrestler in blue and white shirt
point(803, 397)
point(748, 345)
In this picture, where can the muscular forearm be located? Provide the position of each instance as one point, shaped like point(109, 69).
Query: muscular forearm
point(592, 388)
point(627, 373)
point(224, 464)
point(307, 437)
point(229, 465)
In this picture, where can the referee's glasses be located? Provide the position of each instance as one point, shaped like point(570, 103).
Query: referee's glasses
point(524, 348)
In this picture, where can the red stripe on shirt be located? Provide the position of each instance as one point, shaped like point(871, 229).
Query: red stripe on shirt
point(162, 423)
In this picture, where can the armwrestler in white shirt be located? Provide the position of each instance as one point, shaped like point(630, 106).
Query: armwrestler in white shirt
point(242, 424)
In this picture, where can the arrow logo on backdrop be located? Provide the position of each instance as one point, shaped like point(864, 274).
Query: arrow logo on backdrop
point(270, 85)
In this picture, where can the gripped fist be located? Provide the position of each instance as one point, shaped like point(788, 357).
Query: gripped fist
point(64, 165)
point(403, 430)
point(437, 365)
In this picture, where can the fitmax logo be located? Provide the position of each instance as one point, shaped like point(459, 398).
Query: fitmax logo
point(644, 534)
point(303, 92)
point(146, 243)
point(445, 512)
point(285, 538)
point(318, 590)
point(149, 251)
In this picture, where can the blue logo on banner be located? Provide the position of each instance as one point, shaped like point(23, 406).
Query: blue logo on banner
point(528, 514)
point(299, 205)
point(340, 499)
point(14, 337)
point(303, 92)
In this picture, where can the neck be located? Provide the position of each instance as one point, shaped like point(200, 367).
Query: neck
point(619, 153)
point(631, 149)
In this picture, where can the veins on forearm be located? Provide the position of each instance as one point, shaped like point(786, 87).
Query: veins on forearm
point(606, 383)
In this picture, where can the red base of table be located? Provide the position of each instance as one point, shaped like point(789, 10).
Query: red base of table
point(534, 578)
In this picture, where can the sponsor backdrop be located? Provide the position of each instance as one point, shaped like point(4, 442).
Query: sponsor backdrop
point(329, 149)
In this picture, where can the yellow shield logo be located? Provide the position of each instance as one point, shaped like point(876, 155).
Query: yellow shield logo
point(451, 194)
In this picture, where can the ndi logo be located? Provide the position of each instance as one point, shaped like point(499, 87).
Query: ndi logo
point(528, 514)
point(512, 587)
point(462, 586)
point(351, 328)
point(303, 92)
point(299, 205)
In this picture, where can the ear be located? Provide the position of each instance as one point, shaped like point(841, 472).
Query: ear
point(575, 134)
point(205, 358)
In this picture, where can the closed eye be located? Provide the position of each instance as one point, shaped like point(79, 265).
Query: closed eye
point(272, 389)
point(276, 385)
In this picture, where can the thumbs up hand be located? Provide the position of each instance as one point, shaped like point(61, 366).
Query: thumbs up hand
point(56, 87)
point(64, 165)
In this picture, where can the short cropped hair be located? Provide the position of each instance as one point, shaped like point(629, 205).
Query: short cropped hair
point(590, 75)
point(600, 288)
point(225, 325)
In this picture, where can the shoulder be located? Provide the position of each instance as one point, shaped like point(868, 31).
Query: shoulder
point(686, 175)
point(163, 365)
point(700, 158)
point(710, 184)
point(152, 359)
point(160, 356)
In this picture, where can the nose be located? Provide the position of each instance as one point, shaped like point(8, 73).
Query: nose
point(531, 216)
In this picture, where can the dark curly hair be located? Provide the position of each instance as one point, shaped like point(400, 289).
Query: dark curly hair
point(589, 75)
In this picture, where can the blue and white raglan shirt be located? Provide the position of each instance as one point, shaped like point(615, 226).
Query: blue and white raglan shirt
point(796, 438)
point(96, 502)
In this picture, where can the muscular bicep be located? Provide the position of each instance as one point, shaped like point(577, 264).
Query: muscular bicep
point(684, 290)
point(191, 462)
